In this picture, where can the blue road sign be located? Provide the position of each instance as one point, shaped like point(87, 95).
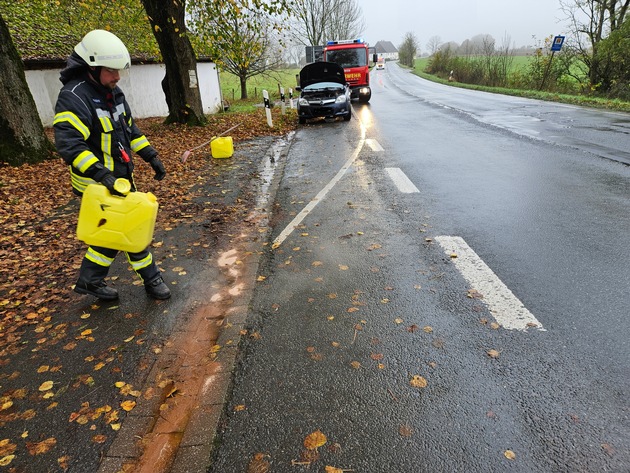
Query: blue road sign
point(557, 43)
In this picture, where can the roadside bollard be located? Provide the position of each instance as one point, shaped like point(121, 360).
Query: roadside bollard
point(282, 104)
point(267, 108)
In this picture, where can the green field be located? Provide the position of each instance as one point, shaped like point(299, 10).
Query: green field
point(231, 87)
point(518, 62)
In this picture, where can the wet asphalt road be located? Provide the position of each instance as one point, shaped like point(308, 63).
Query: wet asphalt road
point(358, 306)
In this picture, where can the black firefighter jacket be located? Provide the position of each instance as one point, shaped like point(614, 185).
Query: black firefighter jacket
point(94, 129)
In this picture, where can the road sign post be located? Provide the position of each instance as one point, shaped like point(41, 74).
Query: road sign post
point(556, 45)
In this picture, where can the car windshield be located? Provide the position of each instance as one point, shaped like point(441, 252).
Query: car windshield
point(348, 57)
point(323, 85)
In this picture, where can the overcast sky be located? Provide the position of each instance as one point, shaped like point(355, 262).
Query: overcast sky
point(458, 20)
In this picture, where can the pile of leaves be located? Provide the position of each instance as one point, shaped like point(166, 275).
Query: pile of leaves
point(39, 252)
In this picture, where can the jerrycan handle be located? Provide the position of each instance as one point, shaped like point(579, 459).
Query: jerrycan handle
point(122, 185)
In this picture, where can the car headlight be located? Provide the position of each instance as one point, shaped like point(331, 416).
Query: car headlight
point(341, 99)
point(303, 102)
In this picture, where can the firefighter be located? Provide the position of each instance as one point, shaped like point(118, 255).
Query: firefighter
point(95, 134)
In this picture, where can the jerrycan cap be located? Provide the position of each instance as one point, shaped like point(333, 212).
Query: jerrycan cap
point(122, 185)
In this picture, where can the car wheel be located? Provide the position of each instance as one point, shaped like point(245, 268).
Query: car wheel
point(347, 116)
point(301, 120)
point(365, 98)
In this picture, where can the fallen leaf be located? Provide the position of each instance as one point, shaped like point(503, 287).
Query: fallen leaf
point(418, 381)
point(37, 448)
point(405, 431)
point(5, 461)
point(510, 455)
point(128, 405)
point(356, 365)
point(259, 464)
point(99, 438)
point(493, 353)
point(315, 440)
point(46, 386)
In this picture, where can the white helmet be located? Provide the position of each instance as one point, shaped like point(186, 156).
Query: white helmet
point(102, 48)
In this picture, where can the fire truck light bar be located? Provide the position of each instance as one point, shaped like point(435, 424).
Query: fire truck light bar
point(345, 41)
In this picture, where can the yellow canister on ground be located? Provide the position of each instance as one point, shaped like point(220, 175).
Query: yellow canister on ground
point(222, 147)
point(120, 223)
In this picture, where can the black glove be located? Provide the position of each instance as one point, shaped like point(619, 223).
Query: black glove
point(158, 167)
point(108, 181)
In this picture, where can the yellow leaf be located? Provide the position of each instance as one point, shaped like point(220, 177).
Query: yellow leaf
point(398, 321)
point(37, 448)
point(5, 405)
point(128, 405)
point(98, 366)
point(115, 427)
point(119, 384)
point(46, 386)
point(4, 461)
point(418, 381)
point(493, 354)
point(356, 365)
point(261, 278)
point(343, 267)
point(315, 440)
point(510, 455)
point(86, 332)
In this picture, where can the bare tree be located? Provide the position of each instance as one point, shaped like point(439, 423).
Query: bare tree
point(590, 22)
point(22, 138)
point(319, 21)
point(433, 45)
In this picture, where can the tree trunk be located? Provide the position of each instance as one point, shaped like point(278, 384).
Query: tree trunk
point(22, 137)
point(181, 84)
point(243, 81)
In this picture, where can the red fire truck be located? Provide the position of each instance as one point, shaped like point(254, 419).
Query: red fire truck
point(353, 55)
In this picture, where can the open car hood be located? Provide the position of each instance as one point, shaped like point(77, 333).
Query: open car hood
point(321, 72)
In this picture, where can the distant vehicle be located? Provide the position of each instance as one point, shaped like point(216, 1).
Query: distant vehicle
point(353, 56)
point(380, 64)
point(324, 92)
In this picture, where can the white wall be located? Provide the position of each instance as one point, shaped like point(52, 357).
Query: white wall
point(142, 87)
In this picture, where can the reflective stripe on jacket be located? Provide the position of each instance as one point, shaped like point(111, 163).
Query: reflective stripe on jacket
point(87, 132)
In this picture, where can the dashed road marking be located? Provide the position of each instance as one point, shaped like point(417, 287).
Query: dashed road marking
point(321, 195)
point(401, 180)
point(374, 145)
point(504, 306)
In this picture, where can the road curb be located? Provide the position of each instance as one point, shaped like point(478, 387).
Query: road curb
point(176, 430)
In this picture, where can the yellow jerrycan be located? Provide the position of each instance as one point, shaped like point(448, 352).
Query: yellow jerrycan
point(120, 223)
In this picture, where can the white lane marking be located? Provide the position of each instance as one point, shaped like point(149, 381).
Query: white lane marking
point(505, 307)
point(320, 196)
point(375, 145)
point(401, 180)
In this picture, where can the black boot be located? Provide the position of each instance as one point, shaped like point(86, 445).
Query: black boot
point(158, 289)
point(99, 290)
